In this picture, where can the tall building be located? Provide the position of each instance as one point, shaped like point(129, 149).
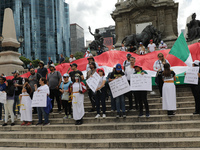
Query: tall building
point(44, 25)
point(76, 38)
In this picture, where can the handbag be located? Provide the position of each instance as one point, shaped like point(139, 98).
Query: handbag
point(65, 95)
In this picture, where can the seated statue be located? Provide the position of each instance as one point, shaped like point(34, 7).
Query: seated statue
point(193, 28)
point(98, 40)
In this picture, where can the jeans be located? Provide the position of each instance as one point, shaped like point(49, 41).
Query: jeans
point(101, 96)
point(141, 96)
point(67, 106)
point(41, 111)
point(120, 103)
point(16, 102)
point(55, 93)
point(92, 99)
point(113, 102)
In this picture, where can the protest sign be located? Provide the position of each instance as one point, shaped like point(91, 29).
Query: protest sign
point(141, 82)
point(3, 97)
point(119, 86)
point(39, 99)
point(93, 81)
point(191, 76)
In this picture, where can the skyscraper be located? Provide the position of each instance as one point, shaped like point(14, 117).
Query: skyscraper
point(44, 25)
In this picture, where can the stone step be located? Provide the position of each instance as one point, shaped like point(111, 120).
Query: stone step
point(163, 133)
point(104, 143)
point(192, 124)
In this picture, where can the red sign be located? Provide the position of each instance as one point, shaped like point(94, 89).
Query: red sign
point(108, 42)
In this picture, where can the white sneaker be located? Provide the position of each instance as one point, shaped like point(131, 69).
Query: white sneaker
point(97, 116)
point(104, 116)
point(152, 93)
point(19, 117)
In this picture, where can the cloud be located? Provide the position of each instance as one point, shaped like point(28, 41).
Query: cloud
point(96, 13)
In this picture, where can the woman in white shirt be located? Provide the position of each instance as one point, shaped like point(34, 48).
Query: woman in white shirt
point(100, 94)
point(158, 66)
point(44, 88)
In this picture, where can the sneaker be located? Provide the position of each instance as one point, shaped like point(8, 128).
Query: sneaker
point(117, 116)
point(46, 124)
point(28, 124)
point(124, 115)
point(147, 115)
point(69, 116)
point(12, 124)
point(65, 117)
point(5, 124)
point(38, 124)
point(18, 117)
point(24, 123)
point(104, 116)
point(97, 116)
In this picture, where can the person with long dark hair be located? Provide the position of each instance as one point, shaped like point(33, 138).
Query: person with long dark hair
point(169, 90)
point(158, 66)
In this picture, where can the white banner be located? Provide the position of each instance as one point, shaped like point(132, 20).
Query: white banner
point(39, 99)
point(191, 76)
point(119, 86)
point(141, 82)
point(3, 97)
point(93, 81)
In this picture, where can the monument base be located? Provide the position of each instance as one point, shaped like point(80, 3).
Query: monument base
point(9, 62)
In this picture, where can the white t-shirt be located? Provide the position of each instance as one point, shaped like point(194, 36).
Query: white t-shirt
point(129, 70)
point(162, 46)
point(123, 48)
point(159, 65)
point(152, 47)
point(88, 55)
point(72, 59)
point(103, 78)
point(126, 63)
point(44, 89)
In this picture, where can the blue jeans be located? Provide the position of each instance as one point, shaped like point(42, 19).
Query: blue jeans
point(16, 102)
point(120, 103)
point(40, 112)
point(113, 102)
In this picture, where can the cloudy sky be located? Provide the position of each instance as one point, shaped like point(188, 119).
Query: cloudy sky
point(96, 13)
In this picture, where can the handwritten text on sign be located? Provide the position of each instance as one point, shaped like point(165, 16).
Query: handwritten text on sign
point(93, 81)
point(191, 76)
point(141, 82)
point(119, 86)
point(39, 99)
point(3, 97)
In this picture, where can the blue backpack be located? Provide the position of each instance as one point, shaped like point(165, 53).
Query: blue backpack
point(49, 105)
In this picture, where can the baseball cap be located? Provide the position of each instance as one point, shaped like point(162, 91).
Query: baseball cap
point(151, 40)
point(52, 65)
point(140, 42)
point(118, 67)
point(66, 75)
point(41, 62)
point(128, 55)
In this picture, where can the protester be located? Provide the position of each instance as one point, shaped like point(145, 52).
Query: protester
point(42, 89)
point(196, 90)
point(113, 100)
point(141, 49)
point(132, 49)
point(30, 66)
point(2, 89)
point(123, 48)
point(72, 58)
point(131, 70)
point(90, 92)
point(91, 59)
point(99, 51)
point(54, 79)
point(162, 46)
point(62, 59)
point(64, 89)
point(17, 82)
point(34, 79)
point(100, 94)
point(141, 96)
point(151, 46)
point(75, 71)
point(49, 62)
point(3, 75)
point(26, 109)
point(158, 66)
point(120, 102)
point(88, 54)
point(169, 90)
point(42, 70)
point(78, 89)
point(113, 48)
point(126, 63)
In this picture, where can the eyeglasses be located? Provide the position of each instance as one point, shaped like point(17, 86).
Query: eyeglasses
point(160, 56)
point(65, 77)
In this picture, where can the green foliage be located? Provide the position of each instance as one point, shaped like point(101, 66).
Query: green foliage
point(25, 60)
point(66, 59)
point(78, 55)
point(35, 63)
point(56, 64)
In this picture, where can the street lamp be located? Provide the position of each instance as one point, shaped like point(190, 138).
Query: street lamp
point(21, 40)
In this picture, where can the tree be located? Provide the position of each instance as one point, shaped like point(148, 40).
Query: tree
point(35, 63)
point(78, 55)
point(25, 60)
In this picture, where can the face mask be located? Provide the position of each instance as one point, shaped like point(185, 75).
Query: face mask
point(76, 78)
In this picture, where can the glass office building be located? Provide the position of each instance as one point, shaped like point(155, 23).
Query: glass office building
point(44, 25)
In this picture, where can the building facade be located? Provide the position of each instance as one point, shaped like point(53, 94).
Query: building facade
point(44, 25)
point(76, 38)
